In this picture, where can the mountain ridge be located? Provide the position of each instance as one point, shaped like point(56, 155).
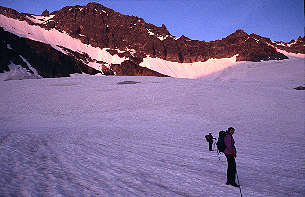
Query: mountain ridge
point(130, 37)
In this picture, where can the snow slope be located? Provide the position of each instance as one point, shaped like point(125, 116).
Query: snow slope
point(57, 40)
point(93, 136)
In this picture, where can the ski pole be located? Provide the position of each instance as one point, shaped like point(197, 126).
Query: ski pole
point(241, 195)
point(218, 154)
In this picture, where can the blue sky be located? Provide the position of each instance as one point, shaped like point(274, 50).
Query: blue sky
point(280, 20)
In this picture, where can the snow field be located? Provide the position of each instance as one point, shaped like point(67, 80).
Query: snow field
point(90, 136)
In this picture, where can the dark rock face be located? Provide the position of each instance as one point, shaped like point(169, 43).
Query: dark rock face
point(246, 46)
point(251, 48)
point(102, 27)
point(129, 68)
point(46, 60)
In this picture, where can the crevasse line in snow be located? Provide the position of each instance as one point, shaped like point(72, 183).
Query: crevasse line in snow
point(30, 67)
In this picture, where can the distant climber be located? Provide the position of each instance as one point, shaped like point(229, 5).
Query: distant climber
point(209, 138)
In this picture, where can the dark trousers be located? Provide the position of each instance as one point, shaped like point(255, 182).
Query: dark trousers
point(210, 146)
point(231, 171)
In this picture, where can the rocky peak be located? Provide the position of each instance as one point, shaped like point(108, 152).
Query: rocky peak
point(45, 13)
point(102, 27)
point(94, 5)
point(11, 13)
point(240, 33)
point(300, 39)
point(237, 36)
point(163, 28)
point(183, 37)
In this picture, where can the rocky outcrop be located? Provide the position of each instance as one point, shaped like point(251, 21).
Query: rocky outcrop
point(45, 13)
point(250, 48)
point(294, 46)
point(11, 13)
point(129, 68)
point(299, 88)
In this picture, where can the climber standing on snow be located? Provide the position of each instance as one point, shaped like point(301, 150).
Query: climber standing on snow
point(209, 138)
point(230, 152)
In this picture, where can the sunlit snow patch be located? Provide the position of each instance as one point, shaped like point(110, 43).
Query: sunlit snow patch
point(188, 70)
point(158, 36)
point(39, 19)
point(298, 55)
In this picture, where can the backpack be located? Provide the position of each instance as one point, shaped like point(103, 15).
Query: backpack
point(221, 143)
point(207, 138)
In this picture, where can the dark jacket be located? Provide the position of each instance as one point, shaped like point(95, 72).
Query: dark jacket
point(210, 138)
point(229, 142)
